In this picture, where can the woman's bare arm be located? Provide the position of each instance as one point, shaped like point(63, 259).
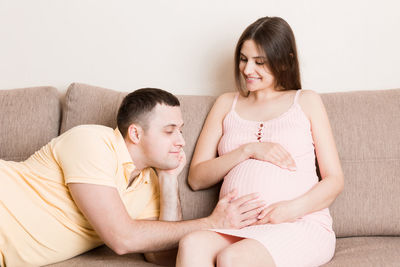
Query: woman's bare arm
point(206, 169)
point(325, 192)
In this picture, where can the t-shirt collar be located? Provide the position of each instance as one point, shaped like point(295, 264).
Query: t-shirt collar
point(121, 148)
point(126, 159)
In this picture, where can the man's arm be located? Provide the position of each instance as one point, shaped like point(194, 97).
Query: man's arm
point(170, 210)
point(103, 208)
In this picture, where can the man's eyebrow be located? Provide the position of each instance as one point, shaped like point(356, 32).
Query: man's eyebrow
point(173, 125)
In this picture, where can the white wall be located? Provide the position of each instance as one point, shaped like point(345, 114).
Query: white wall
point(187, 46)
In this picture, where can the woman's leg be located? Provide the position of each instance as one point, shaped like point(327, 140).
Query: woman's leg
point(247, 252)
point(201, 248)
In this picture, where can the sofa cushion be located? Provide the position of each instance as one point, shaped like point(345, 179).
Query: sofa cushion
point(366, 252)
point(29, 118)
point(366, 126)
point(87, 104)
point(351, 251)
point(105, 257)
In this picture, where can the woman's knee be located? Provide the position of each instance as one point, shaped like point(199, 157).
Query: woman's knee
point(193, 240)
point(226, 257)
point(244, 253)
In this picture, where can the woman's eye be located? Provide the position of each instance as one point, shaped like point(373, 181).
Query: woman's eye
point(260, 62)
point(243, 59)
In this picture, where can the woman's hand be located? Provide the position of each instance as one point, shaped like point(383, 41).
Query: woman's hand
point(271, 152)
point(279, 212)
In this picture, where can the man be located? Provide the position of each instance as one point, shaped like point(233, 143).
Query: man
point(95, 185)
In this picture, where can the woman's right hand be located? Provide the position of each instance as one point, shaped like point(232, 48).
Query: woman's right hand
point(271, 152)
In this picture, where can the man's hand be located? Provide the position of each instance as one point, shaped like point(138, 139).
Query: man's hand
point(170, 208)
point(279, 212)
point(236, 213)
point(174, 172)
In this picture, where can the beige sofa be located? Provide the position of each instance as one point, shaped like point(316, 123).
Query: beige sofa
point(366, 126)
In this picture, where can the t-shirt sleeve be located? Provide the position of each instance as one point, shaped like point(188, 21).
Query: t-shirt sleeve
point(152, 209)
point(86, 156)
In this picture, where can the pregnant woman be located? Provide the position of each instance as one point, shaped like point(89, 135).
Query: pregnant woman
point(266, 139)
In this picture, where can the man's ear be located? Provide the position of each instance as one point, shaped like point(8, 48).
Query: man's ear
point(135, 133)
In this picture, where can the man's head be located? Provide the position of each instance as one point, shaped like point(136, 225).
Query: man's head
point(150, 121)
point(137, 106)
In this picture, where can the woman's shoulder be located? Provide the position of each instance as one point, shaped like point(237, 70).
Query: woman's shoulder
point(226, 97)
point(310, 102)
point(222, 105)
point(225, 100)
point(308, 97)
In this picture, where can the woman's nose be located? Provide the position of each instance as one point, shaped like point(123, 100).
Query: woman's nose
point(248, 68)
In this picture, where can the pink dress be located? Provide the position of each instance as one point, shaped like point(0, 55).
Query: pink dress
point(310, 240)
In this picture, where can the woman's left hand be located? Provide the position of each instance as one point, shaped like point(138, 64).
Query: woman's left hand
point(279, 212)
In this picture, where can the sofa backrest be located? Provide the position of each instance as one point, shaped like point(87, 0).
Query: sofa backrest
point(29, 118)
point(366, 126)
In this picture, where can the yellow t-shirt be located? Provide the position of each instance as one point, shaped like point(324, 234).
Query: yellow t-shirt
point(39, 222)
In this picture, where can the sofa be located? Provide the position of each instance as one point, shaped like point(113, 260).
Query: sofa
point(365, 124)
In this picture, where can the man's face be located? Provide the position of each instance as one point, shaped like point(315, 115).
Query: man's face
point(162, 141)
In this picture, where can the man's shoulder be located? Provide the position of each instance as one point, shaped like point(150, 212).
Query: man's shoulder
point(94, 129)
point(85, 135)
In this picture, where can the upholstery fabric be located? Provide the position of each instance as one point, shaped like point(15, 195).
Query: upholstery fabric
point(370, 251)
point(351, 251)
point(87, 104)
point(29, 118)
point(365, 124)
point(366, 127)
point(105, 257)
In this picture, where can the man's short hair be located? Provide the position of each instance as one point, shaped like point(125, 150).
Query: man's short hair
point(136, 107)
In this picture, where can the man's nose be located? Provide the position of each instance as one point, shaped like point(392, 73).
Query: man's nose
point(180, 141)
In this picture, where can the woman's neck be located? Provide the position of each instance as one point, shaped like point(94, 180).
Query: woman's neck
point(266, 94)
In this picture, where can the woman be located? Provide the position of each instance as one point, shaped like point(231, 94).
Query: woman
point(264, 139)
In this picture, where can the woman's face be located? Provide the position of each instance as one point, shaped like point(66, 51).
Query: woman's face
point(253, 67)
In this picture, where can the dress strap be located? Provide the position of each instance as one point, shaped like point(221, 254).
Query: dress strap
point(296, 97)
point(234, 101)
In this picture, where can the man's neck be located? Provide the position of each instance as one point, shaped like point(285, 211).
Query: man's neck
point(137, 156)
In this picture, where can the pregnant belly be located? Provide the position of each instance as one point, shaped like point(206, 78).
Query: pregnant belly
point(272, 182)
